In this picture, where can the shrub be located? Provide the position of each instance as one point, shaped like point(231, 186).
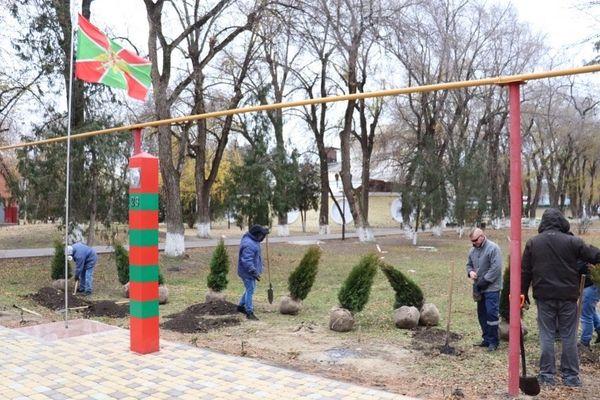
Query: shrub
point(408, 293)
point(355, 291)
point(302, 278)
point(595, 274)
point(219, 268)
point(58, 262)
point(161, 278)
point(122, 261)
point(504, 305)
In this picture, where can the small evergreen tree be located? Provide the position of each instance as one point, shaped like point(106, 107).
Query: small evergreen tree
point(161, 278)
point(408, 293)
point(219, 268)
point(595, 274)
point(58, 262)
point(355, 291)
point(302, 278)
point(122, 261)
point(504, 306)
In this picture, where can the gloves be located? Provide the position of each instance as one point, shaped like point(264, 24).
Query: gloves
point(483, 284)
point(476, 294)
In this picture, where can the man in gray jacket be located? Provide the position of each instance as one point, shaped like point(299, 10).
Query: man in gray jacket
point(484, 268)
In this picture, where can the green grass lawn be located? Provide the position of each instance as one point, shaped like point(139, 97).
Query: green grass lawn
point(276, 338)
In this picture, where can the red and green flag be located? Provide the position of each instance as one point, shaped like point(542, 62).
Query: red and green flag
point(102, 60)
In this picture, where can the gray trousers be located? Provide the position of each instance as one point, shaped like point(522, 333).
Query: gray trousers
point(558, 315)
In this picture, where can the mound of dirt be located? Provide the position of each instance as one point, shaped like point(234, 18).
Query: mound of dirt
point(212, 308)
point(434, 335)
point(203, 317)
point(191, 324)
point(107, 308)
point(55, 299)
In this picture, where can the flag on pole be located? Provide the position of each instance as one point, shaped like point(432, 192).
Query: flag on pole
point(102, 60)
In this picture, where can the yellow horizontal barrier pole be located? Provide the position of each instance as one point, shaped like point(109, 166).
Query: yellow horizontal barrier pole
point(500, 80)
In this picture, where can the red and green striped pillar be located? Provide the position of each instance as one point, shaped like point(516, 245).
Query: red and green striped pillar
point(143, 250)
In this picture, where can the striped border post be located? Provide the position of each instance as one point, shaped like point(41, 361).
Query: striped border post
point(143, 250)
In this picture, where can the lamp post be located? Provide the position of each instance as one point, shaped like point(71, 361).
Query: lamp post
point(343, 210)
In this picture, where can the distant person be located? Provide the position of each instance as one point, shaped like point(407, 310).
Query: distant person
point(590, 319)
point(85, 260)
point(484, 268)
point(250, 267)
point(550, 266)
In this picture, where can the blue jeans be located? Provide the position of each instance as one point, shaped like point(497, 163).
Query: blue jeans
point(590, 320)
point(86, 275)
point(246, 300)
point(487, 313)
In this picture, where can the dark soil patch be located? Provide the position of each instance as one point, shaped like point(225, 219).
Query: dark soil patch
point(434, 335)
point(55, 299)
point(191, 323)
point(203, 317)
point(107, 308)
point(212, 308)
point(432, 342)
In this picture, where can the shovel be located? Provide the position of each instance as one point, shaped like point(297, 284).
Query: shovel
point(447, 349)
point(528, 384)
point(270, 290)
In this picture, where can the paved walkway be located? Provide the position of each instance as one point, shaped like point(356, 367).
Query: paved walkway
point(196, 243)
point(92, 361)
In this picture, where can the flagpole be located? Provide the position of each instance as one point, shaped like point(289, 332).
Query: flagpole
point(70, 103)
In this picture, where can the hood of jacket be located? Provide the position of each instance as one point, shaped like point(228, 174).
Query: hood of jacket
point(553, 220)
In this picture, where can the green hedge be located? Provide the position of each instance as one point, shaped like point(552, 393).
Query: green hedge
point(122, 262)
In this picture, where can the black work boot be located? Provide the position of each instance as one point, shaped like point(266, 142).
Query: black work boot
point(597, 336)
point(251, 316)
point(241, 309)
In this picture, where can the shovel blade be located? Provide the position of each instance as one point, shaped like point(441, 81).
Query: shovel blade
point(529, 385)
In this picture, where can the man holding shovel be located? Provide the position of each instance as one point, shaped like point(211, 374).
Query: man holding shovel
point(250, 267)
point(85, 260)
point(549, 265)
point(484, 268)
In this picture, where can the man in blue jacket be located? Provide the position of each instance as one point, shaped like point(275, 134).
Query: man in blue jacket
point(250, 267)
point(85, 260)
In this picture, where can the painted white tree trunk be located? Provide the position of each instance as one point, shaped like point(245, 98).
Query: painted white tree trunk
point(461, 232)
point(408, 233)
point(437, 230)
point(323, 230)
point(365, 234)
point(283, 230)
point(76, 235)
point(175, 245)
point(203, 230)
point(414, 238)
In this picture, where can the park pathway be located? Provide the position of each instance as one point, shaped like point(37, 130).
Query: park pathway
point(196, 243)
point(91, 360)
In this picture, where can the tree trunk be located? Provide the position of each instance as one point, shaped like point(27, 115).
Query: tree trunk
point(324, 180)
point(94, 200)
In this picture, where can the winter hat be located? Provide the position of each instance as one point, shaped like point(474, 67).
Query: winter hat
point(258, 231)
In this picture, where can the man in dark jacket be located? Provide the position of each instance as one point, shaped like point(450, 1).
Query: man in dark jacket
point(550, 266)
point(250, 267)
point(484, 268)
